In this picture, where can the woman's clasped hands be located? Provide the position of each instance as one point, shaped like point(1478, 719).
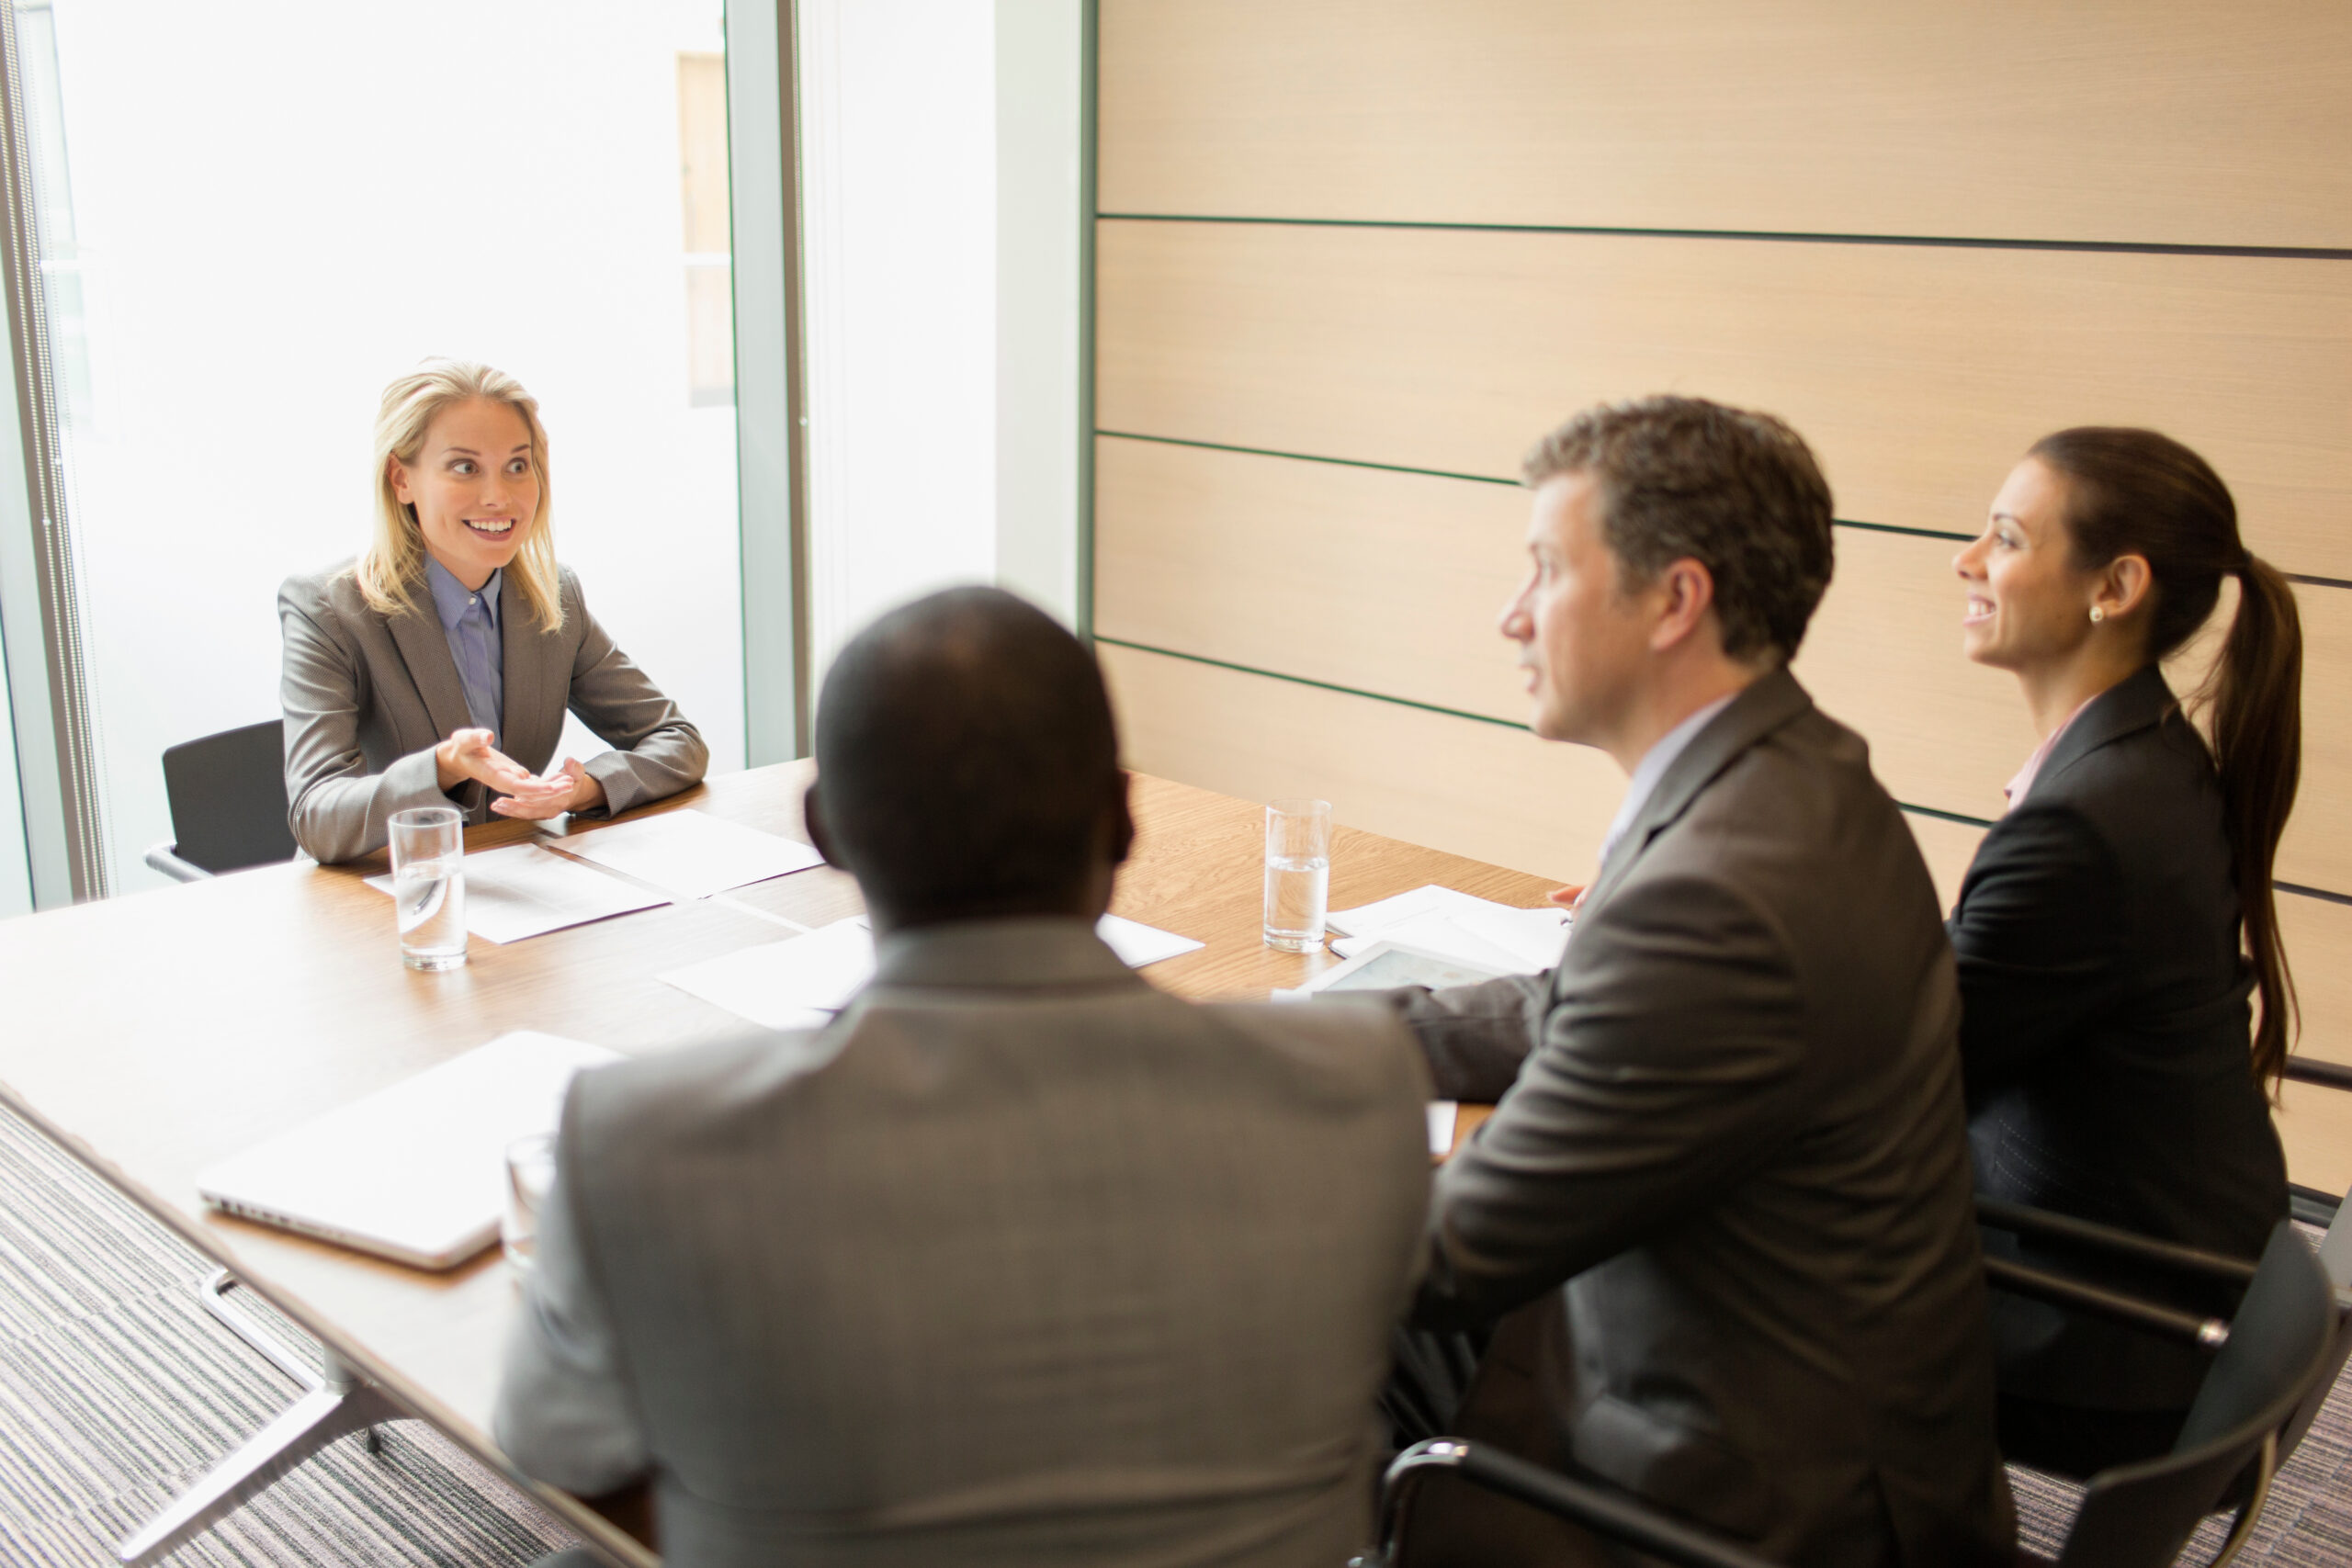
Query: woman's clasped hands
point(467, 754)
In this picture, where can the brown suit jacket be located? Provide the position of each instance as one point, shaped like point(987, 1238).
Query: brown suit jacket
point(367, 697)
point(1729, 1148)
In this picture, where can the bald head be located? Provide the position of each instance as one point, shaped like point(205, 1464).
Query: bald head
point(968, 766)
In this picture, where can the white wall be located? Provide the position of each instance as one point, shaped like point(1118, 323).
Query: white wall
point(1038, 73)
point(940, 194)
point(282, 206)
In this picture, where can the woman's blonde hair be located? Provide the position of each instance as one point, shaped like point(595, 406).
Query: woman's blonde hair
point(395, 559)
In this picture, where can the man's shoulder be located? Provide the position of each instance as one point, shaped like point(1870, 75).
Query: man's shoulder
point(1806, 785)
point(1344, 1039)
point(672, 1096)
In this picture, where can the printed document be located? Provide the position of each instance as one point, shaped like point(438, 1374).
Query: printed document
point(1478, 932)
point(523, 891)
point(691, 854)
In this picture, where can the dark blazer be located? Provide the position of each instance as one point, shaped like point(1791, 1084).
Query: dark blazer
point(367, 696)
point(1019, 1261)
point(2106, 1034)
point(1730, 1137)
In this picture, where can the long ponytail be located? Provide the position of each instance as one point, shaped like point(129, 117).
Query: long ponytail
point(2137, 493)
point(2256, 694)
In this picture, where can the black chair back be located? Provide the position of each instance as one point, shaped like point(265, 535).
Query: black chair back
point(2138, 1516)
point(228, 798)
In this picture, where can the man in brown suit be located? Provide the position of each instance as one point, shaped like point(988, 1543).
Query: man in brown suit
point(1720, 1224)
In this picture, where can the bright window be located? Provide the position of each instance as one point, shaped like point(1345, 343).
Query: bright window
point(255, 217)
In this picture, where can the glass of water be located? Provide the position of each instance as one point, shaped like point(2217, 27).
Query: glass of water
point(1298, 872)
point(530, 1172)
point(429, 885)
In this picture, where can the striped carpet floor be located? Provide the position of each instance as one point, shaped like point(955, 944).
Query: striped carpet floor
point(117, 1389)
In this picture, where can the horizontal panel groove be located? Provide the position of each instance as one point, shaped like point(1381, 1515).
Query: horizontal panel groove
point(1492, 479)
point(1933, 242)
point(1937, 812)
point(1307, 458)
point(1307, 680)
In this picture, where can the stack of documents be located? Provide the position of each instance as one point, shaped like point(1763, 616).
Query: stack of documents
point(691, 854)
point(523, 891)
point(801, 983)
point(1475, 931)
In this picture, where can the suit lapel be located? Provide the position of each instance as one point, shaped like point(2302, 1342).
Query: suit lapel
point(533, 725)
point(1762, 708)
point(425, 649)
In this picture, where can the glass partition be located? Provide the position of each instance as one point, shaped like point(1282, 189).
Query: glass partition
point(254, 217)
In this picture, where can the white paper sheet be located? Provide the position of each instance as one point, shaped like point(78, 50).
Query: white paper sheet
point(1440, 920)
point(1138, 944)
point(1442, 1113)
point(692, 854)
point(523, 891)
point(801, 982)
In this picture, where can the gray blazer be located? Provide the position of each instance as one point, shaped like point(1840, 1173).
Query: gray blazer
point(1019, 1261)
point(368, 696)
point(1729, 1159)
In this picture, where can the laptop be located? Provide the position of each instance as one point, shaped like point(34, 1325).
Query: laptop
point(416, 1172)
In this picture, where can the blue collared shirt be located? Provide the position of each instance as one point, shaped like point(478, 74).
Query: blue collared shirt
point(471, 619)
point(1652, 768)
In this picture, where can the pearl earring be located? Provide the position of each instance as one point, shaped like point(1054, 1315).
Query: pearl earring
point(2098, 614)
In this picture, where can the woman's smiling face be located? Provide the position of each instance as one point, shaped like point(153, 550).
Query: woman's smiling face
point(2027, 600)
point(474, 486)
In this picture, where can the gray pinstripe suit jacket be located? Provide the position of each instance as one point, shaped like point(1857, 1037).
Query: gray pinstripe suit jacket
point(367, 696)
point(1020, 1261)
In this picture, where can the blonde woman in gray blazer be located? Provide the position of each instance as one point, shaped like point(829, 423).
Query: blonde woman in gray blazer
point(434, 670)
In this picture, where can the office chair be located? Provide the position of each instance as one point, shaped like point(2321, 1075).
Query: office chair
point(228, 799)
point(2335, 1262)
point(2272, 1353)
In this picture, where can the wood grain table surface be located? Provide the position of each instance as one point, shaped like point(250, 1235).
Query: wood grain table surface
point(157, 1034)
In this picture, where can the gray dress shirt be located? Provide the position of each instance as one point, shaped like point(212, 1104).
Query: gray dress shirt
point(469, 617)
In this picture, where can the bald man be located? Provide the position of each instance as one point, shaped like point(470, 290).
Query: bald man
point(1019, 1260)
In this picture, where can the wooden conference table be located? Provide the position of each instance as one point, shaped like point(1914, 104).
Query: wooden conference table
point(155, 1034)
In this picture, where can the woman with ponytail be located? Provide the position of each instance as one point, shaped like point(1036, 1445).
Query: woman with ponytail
point(2126, 1004)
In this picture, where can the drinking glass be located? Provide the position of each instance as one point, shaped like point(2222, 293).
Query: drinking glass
point(429, 885)
point(1298, 872)
point(530, 1172)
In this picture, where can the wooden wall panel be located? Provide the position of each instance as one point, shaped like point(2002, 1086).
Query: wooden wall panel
point(1948, 847)
point(1461, 785)
point(2315, 1123)
point(1919, 373)
point(1388, 584)
point(2014, 119)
